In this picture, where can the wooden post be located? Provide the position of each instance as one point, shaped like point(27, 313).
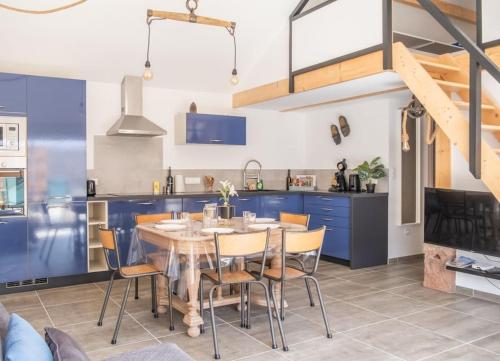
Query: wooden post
point(442, 160)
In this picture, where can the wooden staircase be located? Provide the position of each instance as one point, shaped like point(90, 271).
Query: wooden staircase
point(434, 81)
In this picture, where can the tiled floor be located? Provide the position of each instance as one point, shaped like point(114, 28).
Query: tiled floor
point(381, 313)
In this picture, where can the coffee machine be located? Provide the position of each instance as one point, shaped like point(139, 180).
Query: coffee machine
point(340, 177)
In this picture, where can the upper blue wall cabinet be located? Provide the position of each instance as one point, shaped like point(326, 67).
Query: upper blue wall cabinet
point(194, 128)
point(12, 94)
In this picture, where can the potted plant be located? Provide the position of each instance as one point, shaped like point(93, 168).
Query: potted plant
point(227, 211)
point(369, 172)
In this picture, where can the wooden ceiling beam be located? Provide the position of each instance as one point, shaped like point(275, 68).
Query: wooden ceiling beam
point(452, 10)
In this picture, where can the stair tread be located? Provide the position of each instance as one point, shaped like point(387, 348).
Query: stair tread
point(438, 66)
point(490, 127)
point(464, 104)
point(452, 84)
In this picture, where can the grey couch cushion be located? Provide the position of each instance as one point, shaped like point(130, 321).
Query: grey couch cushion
point(162, 352)
point(63, 347)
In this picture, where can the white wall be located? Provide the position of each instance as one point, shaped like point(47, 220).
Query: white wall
point(491, 25)
point(273, 138)
point(375, 131)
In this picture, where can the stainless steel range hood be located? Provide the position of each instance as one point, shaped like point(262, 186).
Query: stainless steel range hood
point(132, 123)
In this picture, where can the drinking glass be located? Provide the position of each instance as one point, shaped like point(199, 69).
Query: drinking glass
point(186, 218)
point(246, 217)
point(252, 218)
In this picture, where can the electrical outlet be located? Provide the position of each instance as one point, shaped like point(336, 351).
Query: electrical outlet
point(192, 180)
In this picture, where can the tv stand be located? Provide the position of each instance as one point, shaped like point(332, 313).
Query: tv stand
point(474, 272)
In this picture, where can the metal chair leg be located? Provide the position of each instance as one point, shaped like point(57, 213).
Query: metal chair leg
point(122, 310)
point(212, 316)
point(270, 315)
point(247, 323)
point(154, 296)
point(282, 301)
point(323, 311)
point(106, 298)
point(136, 288)
point(278, 318)
point(242, 305)
point(202, 326)
point(170, 307)
point(311, 300)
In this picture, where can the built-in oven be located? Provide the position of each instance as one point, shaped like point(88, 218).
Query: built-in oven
point(13, 163)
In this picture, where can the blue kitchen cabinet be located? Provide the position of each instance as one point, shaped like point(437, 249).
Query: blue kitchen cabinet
point(196, 204)
point(14, 249)
point(246, 203)
point(57, 210)
point(12, 94)
point(211, 129)
point(272, 205)
point(121, 217)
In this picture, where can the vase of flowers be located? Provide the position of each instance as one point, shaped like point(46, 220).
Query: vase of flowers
point(227, 190)
point(370, 172)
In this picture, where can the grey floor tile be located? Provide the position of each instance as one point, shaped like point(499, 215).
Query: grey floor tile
point(266, 356)
point(233, 344)
point(102, 354)
point(92, 337)
point(465, 353)
point(453, 324)
point(342, 289)
point(58, 296)
point(78, 312)
point(403, 340)
point(491, 343)
point(388, 304)
point(335, 270)
point(297, 297)
point(17, 301)
point(380, 280)
point(142, 304)
point(478, 308)
point(422, 294)
point(297, 329)
point(341, 316)
point(37, 317)
point(401, 270)
point(340, 347)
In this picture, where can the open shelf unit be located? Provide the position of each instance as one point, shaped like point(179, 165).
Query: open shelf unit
point(97, 216)
point(471, 271)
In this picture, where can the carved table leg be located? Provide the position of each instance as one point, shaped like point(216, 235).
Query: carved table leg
point(192, 318)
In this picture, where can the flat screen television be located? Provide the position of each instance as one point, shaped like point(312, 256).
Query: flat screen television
point(463, 220)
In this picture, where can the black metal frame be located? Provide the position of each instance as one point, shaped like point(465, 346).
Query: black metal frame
point(478, 62)
point(385, 46)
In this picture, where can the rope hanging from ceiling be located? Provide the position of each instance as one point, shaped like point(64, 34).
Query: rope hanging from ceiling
point(41, 12)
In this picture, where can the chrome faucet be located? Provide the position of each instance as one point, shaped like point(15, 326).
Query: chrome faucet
point(251, 176)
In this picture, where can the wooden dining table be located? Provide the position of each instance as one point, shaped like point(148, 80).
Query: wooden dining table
point(184, 253)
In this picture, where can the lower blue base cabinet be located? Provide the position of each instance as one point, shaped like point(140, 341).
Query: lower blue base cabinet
point(14, 249)
point(121, 217)
point(246, 203)
point(272, 205)
point(196, 204)
point(356, 227)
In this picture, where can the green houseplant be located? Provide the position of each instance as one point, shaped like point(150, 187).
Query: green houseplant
point(227, 190)
point(369, 172)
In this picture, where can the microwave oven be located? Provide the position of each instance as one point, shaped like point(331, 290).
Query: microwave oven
point(12, 136)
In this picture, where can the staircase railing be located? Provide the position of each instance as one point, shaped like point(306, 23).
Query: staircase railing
point(478, 62)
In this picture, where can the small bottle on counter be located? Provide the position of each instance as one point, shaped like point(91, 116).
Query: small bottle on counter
point(170, 182)
point(288, 180)
point(260, 185)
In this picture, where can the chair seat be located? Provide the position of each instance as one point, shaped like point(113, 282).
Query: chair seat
point(139, 270)
point(231, 277)
point(290, 273)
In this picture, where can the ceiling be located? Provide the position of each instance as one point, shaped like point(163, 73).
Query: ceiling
point(102, 40)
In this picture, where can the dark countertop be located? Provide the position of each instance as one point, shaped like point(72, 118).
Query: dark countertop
point(149, 196)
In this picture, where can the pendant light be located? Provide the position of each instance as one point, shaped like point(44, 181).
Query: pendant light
point(191, 17)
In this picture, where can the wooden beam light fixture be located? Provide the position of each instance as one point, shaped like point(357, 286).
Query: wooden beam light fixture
point(191, 17)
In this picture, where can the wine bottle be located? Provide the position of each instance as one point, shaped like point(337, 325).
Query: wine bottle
point(170, 182)
point(288, 180)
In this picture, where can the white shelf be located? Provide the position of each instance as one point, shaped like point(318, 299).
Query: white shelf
point(94, 243)
point(97, 217)
point(97, 266)
point(96, 222)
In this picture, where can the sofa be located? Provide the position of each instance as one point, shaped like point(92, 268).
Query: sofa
point(61, 347)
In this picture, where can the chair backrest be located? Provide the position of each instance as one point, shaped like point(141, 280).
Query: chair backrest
point(152, 218)
point(197, 216)
point(107, 237)
point(303, 242)
point(241, 245)
point(300, 219)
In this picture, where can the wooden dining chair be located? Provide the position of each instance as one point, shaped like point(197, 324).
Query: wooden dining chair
point(154, 218)
point(294, 218)
point(107, 237)
point(236, 246)
point(197, 216)
point(298, 242)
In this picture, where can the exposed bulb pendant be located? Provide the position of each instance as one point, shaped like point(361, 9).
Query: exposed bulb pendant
point(148, 73)
point(234, 74)
point(234, 77)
